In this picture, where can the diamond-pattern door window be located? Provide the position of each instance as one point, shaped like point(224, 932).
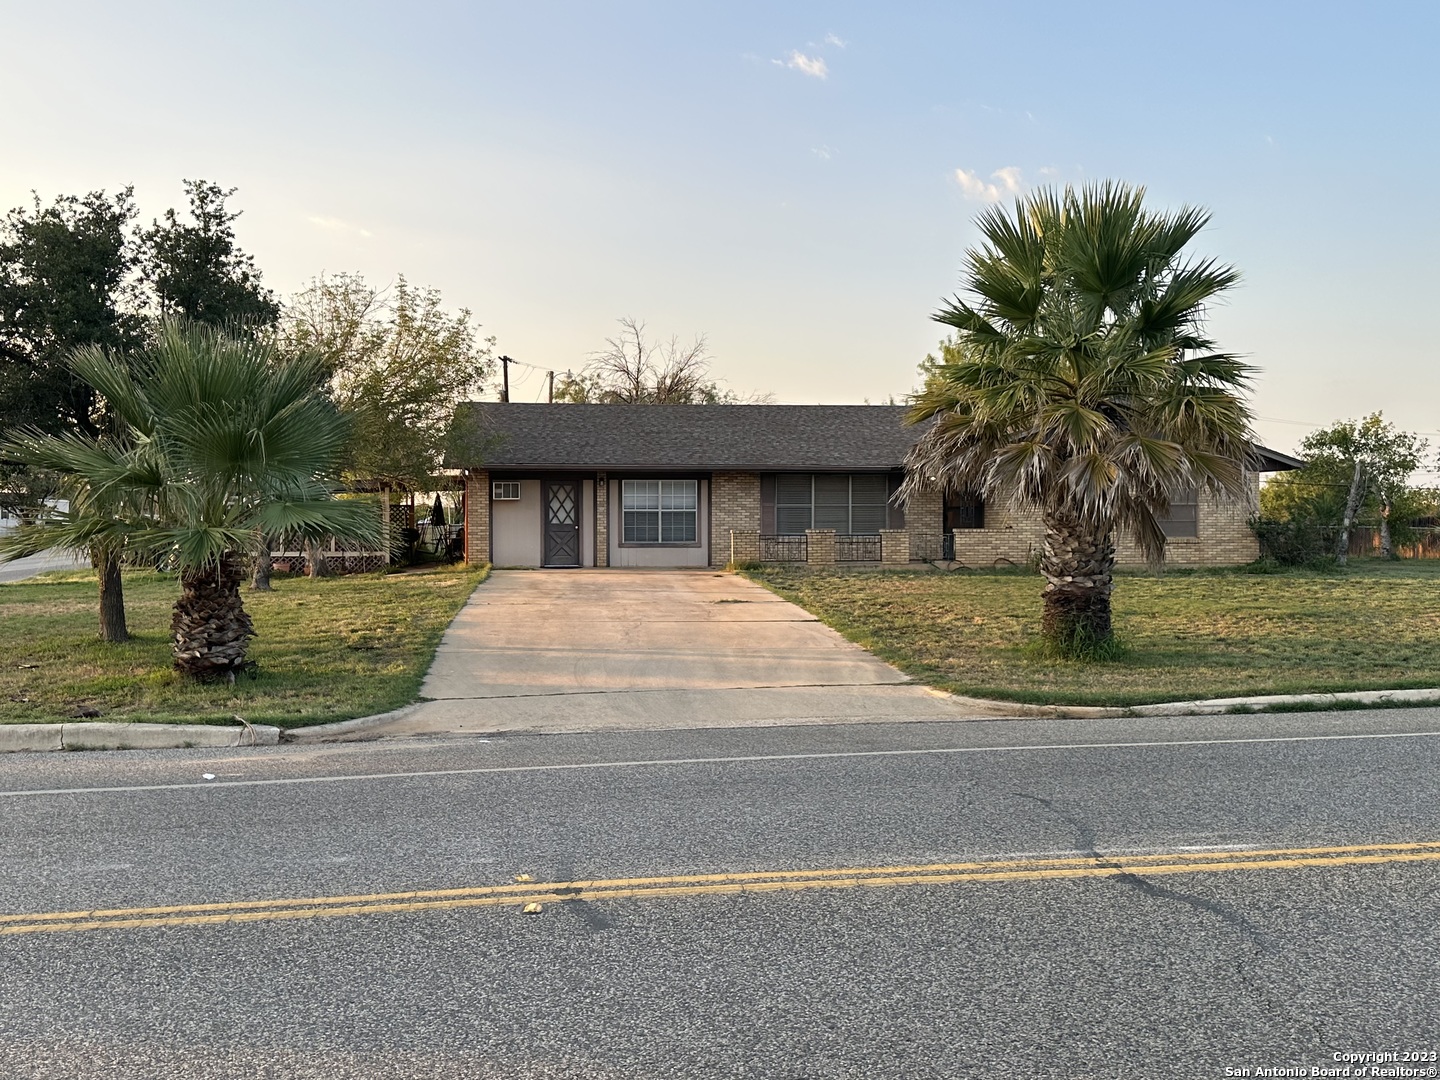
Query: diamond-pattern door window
point(562, 505)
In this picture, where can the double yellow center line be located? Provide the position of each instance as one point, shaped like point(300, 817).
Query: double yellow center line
point(518, 895)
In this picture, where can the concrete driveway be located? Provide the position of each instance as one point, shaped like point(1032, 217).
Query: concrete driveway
point(592, 650)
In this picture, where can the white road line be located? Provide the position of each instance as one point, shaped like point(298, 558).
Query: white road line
point(573, 766)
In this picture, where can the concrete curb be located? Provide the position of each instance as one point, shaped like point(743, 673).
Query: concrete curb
point(985, 709)
point(1260, 704)
point(120, 736)
point(1205, 707)
point(347, 730)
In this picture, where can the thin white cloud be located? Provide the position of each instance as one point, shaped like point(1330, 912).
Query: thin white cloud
point(832, 39)
point(824, 153)
point(330, 224)
point(1009, 178)
point(1004, 182)
point(814, 66)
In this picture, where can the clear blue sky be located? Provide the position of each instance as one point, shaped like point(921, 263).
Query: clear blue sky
point(796, 181)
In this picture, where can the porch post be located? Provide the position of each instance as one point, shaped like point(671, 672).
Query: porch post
point(602, 520)
point(477, 517)
point(894, 546)
point(744, 546)
point(820, 545)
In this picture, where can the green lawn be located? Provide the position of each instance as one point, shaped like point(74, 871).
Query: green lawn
point(1187, 634)
point(326, 650)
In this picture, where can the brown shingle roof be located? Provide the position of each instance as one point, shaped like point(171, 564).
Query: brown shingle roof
point(746, 438)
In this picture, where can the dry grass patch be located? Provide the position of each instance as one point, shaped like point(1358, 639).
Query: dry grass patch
point(1186, 634)
point(325, 650)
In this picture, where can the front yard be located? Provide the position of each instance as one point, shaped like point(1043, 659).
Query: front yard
point(1188, 634)
point(325, 650)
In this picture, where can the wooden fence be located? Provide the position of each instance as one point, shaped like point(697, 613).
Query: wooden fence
point(1365, 540)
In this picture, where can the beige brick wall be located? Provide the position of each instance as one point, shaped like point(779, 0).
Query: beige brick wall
point(894, 546)
point(734, 505)
point(602, 521)
point(744, 546)
point(1010, 537)
point(1225, 538)
point(477, 517)
point(820, 546)
point(924, 522)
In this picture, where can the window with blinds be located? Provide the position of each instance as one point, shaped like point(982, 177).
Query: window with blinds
point(1183, 521)
point(855, 504)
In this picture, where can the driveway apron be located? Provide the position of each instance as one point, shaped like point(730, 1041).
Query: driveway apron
point(589, 650)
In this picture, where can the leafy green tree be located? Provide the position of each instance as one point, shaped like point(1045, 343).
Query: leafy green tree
point(100, 514)
point(224, 437)
point(397, 363)
point(196, 270)
point(1081, 385)
point(66, 280)
point(1326, 491)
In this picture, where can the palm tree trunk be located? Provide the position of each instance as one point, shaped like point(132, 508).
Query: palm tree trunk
point(314, 559)
point(210, 628)
point(1079, 565)
point(260, 582)
point(112, 595)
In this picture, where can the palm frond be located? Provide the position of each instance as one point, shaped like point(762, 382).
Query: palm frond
point(1081, 379)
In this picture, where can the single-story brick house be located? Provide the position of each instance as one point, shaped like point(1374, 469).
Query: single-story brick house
point(702, 485)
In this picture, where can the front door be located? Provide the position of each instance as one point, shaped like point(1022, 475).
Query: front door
point(562, 523)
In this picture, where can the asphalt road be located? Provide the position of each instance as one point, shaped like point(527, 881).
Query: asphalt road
point(32, 565)
point(1083, 901)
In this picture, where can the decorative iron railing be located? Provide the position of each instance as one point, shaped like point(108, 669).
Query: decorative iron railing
point(927, 547)
point(857, 547)
point(783, 548)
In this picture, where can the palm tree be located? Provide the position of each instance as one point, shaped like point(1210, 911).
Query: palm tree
point(226, 440)
point(1080, 384)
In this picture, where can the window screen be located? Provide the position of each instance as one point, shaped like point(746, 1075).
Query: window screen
point(794, 503)
point(660, 511)
point(505, 490)
point(856, 504)
point(1184, 517)
point(832, 503)
point(869, 496)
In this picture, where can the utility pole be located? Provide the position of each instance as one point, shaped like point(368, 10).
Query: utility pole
point(551, 398)
point(505, 385)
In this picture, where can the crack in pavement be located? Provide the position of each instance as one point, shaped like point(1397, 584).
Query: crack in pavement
point(1263, 994)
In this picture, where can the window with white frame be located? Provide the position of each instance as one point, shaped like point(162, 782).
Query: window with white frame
point(505, 490)
point(660, 511)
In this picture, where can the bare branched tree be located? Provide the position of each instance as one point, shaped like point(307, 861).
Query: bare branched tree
point(632, 370)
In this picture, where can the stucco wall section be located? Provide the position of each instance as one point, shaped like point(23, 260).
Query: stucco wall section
point(734, 505)
point(587, 533)
point(657, 555)
point(516, 527)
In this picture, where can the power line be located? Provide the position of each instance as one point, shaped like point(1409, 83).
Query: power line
point(1310, 424)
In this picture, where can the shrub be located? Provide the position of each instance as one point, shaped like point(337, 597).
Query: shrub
point(1292, 543)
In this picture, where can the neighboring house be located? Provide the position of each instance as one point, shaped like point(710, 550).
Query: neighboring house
point(704, 485)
